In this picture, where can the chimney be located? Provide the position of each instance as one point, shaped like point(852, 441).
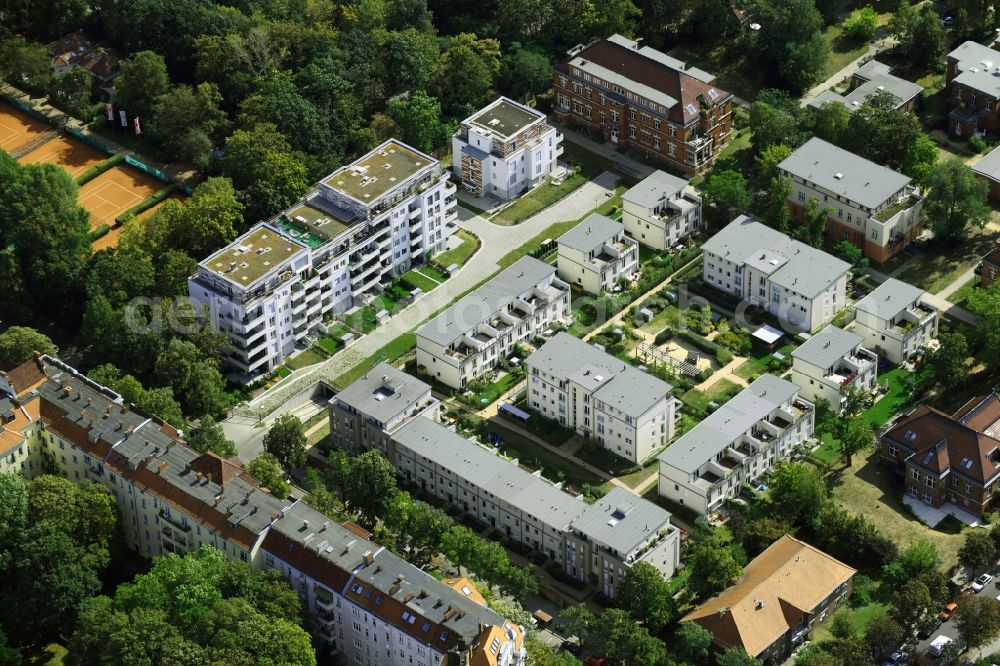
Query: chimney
point(162, 466)
point(219, 498)
point(369, 557)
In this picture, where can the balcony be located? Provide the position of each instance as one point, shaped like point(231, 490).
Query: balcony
point(885, 215)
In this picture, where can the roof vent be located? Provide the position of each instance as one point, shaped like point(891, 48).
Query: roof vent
point(838, 175)
point(759, 604)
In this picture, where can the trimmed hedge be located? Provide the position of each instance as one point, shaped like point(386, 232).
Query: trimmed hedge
point(99, 168)
point(700, 341)
point(143, 206)
point(99, 232)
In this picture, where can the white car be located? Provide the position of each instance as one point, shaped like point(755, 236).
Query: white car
point(981, 582)
point(937, 645)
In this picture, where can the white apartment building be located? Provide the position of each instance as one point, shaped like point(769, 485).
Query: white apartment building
point(875, 208)
point(593, 543)
point(504, 149)
point(372, 607)
point(735, 445)
point(469, 339)
point(829, 363)
point(661, 210)
point(365, 414)
point(626, 410)
point(595, 254)
point(354, 232)
point(895, 321)
point(802, 286)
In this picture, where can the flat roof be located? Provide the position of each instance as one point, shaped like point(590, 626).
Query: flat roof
point(621, 520)
point(383, 392)
point(505, 117)
point(827, 347)
point(316, 225)
point(253, 255)
point(592, 233)
point(844, 173)
point(370, 177)
point(988, 165)
point(724, 426)
point(651, 189)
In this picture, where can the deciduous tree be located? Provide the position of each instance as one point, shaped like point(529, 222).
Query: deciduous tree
point(957, 199)
point(286, 441)
point(209, 436)
point(978, 550)
point(266, 469)
point(647, 596)
point(978, 619)
point(19, 343)
point(725, 196)
point(142, 80)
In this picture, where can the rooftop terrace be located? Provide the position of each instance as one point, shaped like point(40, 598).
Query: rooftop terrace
point(253, 255)
point(504, 118)
point(370, 177)
point(310, 225)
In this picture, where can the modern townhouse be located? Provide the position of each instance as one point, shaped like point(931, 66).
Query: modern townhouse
point(987, 169)
point(596, 255)
point(627, 411)
point(470, 338)
point(172, 499)
point(972, 85)
point(802, 286)
point(644, 100)
point(504, 149)
point(784, 592)
point(365, 414)
point(895, 320)
point(735, 445)
point(661, 210)
point(829, 363)
point(948, 460)
point(872, 77)
point(875, 208)
point(594, 543)
point(334, 250)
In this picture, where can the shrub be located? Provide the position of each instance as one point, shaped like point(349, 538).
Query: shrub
point(723, 355)
point(99, 232)
point(99, 168)
point(977, 143)
point(663, 336)
point(861, 24)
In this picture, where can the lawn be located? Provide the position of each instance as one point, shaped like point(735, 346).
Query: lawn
point(861, 616)
point(390, 353)
point(554, 467)
point(433, 273)
point(52, 654)
point(737, 155)
point(756, 365)
point(959, 297)
point(842, 50)
point(668, 316)
point(719, 392)
point(636, 479)
point(604, 459)
point(487, 394)
point(538, 199)
point(892, 402)
point(328, 344)
point(310, 356)
point(460, 254)
point(417, 280)
point(829, 449)
point(939, 265)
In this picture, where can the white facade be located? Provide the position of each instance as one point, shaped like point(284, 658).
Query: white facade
point(595, 254)
point(624, 409)
point(735, 445)
point(661, 210)
point(470, 338)
point(895, 321)
point(802, 286)
point(352, 234)
point(831, 362)
point(504, 149)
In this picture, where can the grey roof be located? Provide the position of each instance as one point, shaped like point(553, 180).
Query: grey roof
point(878, 78)
point(621, 521)
point(889, 299)
point(490, 472)
point(476, 153)
point(383, 393)
point(615, 382)
point(978, 66)
point(800, 267)
point(663, 58)
point(860, 180)
point(592, 233)
point(871, 69)
point(724, 426)
point(651, 189)
point(827, 347)
point(989, 165)
point(479, 306)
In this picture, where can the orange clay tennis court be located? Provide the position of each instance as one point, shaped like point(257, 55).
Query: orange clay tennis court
point(71, 154)
point(114, 192)
point(17, 128)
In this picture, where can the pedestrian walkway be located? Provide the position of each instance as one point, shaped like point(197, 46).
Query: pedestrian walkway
point(625, 163)
point(958, 283)
point(947, 309)
point(728, 371)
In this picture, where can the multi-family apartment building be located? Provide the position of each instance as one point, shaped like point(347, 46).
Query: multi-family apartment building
point(365, 414)
point(948, 459)
point(736, 444)
point(783, 594)
point(595, 543)
point(661, 210)
point(470, 338)
point(987, 168)
point(353, 233)
point(989, 268)
point(830, 363)
point(504, 149)
point(972, 85)
point(802, 286)
point(870, 78)
point(627, 411)
point(895, 320)
point(875, 208)
point(644, 100)
point(596, 255)
point(372, 607)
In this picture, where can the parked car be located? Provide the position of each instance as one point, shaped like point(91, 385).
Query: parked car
point(949, 17)
point(937, 645)
point(929, 628)
point(947, 611)
point(894, 659)
point(981, 582)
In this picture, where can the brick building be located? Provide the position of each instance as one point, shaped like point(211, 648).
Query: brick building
point(972, 86)
point(644, 100)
